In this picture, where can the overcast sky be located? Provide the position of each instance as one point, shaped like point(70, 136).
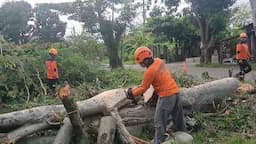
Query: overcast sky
point(78, 27)
point(33, 2)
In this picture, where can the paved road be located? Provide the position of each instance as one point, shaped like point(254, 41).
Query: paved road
point(197, 71)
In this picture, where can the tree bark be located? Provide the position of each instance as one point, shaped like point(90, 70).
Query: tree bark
point(107, 130)
point(206, 39)
point(65, 133)
point(253, 7)
point(92, 106)
point(194, 96)
point(76, 120)
point(37, 140)
point(73, 113)
point(23, 131)
point(124, 134)
point(111, 38)
point(208, 93)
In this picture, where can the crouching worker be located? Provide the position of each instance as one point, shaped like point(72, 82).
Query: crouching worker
point(242, 56)
point(169, 103)
point(52, 70)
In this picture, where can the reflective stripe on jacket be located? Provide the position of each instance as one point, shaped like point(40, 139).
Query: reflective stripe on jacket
point(161, 79)
point(52, 69)
point(242, 52)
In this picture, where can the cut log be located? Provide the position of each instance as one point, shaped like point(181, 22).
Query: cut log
point(65, 133)
point(198, 95)
point(124, 134)
point(107, 130)
point(23, 131)
point(246, 88)
point(73, 113)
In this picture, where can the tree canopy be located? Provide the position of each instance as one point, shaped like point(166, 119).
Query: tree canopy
point(48, 25)
point(14, 17)
point(108, 19)
point(20, 23)
point(211, 18)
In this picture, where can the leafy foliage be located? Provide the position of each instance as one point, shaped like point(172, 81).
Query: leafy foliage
point(14, 17)
point(241, 16)
point(109, 18)
point(48, 27)
point(229, 125)
point(211, 18)
point(95, 16)
point(21, 23)
point(22, 68)
point(134, 40)
point(178, 33)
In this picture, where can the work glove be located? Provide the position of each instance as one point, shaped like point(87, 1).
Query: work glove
point(239, 61)
point(129, 94)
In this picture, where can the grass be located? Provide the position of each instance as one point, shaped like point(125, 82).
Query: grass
point(204, 137)
point(230, 127)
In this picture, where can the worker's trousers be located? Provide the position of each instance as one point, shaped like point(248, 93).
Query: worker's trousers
point(245, 67)
point(168, 108)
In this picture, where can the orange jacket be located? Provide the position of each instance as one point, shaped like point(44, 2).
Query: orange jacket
point(242, 52)
point(52, 69)
point(160, 78)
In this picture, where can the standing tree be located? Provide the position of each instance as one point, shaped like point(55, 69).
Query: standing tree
point(211, 18)
point(157, 10)
point(14, 17)
point(179, 31)
point(253, 6)
point(48, 25)
point(102, 16)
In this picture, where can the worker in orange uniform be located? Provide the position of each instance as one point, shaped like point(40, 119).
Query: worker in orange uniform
point(52, 70)
point(242, 56)
point(168, 103)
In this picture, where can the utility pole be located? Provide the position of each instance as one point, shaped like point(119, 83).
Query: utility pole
point(253, 6)
point(144, 11)
point(252, 35)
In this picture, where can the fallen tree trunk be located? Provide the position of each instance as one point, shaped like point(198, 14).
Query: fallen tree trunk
point(37, 140)
point(198, 95)
point(23, 131)
point(92, 106)
point(65, 133)
point(107, 130)
point(208, 93)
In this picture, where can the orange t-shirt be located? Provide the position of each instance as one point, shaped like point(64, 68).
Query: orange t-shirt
point(242, 52)
point(52, 69)
point(161, 79)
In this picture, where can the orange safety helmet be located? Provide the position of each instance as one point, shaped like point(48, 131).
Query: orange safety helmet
point(53, 51)
point(243, 35)
point(141, 53)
